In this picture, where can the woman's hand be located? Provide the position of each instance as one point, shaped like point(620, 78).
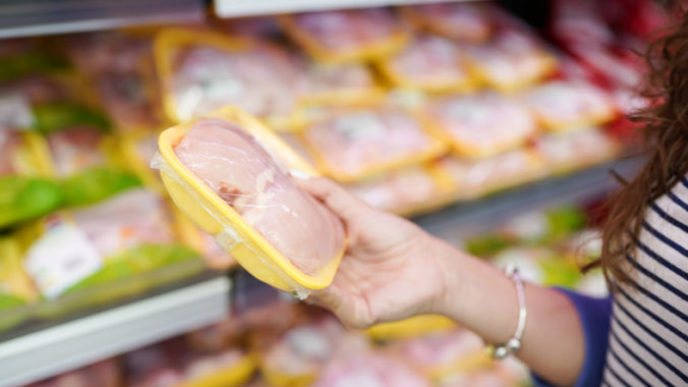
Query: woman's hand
point(391, 269)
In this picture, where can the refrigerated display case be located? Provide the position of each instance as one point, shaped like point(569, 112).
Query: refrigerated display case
point(456, 114)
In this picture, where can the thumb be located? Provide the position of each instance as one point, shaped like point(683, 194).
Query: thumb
point(333, 196)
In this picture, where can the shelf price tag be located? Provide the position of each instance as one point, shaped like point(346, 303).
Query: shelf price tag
point(15, 112)
point(62, 257)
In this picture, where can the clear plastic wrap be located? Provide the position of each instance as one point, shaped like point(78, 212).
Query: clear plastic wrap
point(230, 175)
point(511, 60)
point(403, 191)
point(439, 354)
point(346, 35)
point(481, 125)
point(339, 84)
point(471, 179)
point(354, 144)
point(576, 149)
point(73, 150)
point(369, 368)
point(563, 105)
point(429, 63)
point(299, 355)
point(120, 67)
point(202, 71)
point(115, 249)
point(20, 154)
point(104, 373)
point(462, 21)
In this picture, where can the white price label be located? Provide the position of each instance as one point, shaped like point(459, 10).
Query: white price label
point(15, 112)
point(60, 258)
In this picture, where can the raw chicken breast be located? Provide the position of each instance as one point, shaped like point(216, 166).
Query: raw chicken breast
point(512, 58)
point(575, 149)
point(564, 105)
point(369, 370)
point(356, 142)
point(441, 349)
point(75, 149)
point(483, 124)
point(349, 29)
point(430, 60)
point(10, 141)
point(397, 190)
point(303, 350)
point(261, 80)
point(330, 78)
point(129, 219)
point(462, 21)
point(474, 178)
point(245, 176)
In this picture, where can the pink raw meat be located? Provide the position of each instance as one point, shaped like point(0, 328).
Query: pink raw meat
point(369, 370)
point(75, 149)
point(243, 174)
point(126, 220)
point(487, 123)
point(442, 348)
point(9, 141)
point(356, 141)
point(350, 29)
point(431, 58)
point(459, 20)
point(261, 80)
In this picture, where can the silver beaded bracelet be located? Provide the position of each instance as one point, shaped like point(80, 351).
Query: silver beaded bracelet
point(513, 344)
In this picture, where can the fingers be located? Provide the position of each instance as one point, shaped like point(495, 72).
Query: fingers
point(334, 196)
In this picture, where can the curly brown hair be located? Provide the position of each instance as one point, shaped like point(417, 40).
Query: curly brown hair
point(665, 130)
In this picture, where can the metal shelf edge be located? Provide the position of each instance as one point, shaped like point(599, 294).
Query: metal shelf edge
point(77, 343)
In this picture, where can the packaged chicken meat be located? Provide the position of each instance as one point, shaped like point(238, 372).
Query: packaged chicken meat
point(104, 373)
point(510, 60)
point(298, 356)
point(358, 143)
point(20, 154)
point(462, 21)
point(346, 35)
point(576, 149)
point(338, 84)
point(114, 249)
point(440, 354)
point(369, 369)
point(202, 71)
point(564, 105)
point(403, 191)
point(231, 175)
point(480, 177)
point(119, 65)
point(481, 125)
point(429, 63)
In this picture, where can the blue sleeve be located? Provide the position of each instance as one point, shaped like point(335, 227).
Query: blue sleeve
point(595, 314)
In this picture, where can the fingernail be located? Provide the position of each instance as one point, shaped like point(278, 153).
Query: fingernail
point(299, 175)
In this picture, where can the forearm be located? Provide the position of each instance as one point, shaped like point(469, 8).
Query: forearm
point(481, 298)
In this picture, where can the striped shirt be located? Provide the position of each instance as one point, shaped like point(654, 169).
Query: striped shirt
point(648, 335)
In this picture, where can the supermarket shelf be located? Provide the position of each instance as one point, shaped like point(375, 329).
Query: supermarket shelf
point(233, 8)
point(462, 219)
point(40, 17)
point(83, 341)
